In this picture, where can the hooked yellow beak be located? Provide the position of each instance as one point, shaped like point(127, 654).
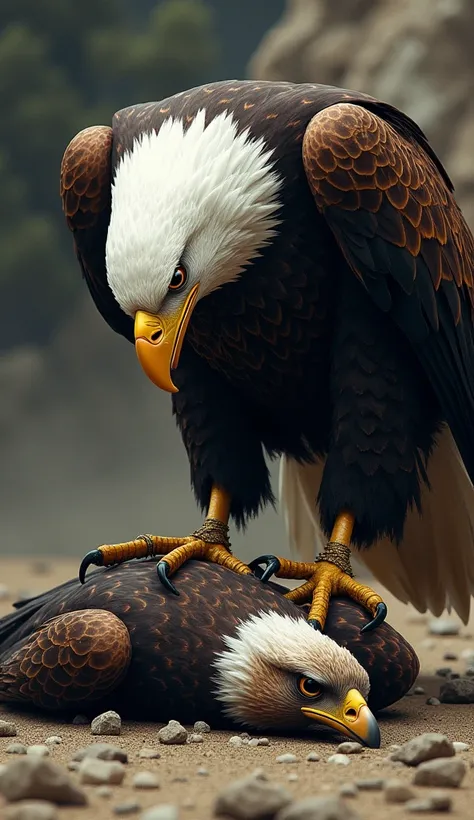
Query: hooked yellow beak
point(159, 339)
point(353, 719)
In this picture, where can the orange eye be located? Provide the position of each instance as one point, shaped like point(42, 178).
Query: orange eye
point(309, 687)
point(179, 278)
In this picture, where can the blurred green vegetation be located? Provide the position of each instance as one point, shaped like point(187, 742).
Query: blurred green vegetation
point(63, 66)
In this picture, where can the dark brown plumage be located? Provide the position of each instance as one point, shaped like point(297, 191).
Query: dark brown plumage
point(123, 642)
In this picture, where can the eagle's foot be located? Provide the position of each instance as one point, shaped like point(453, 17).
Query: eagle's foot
point(331, 574)
point(141, 547)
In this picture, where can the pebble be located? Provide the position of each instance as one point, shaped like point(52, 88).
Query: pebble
point(444, 672)
point(145, 780)
point(318, 808)
point(104, 791)
point(287, 758)
point(434, 803)
point(95, 772)
point(443, 626)
point(108, 723)
point(370, 784)
point(460, 690)
point(128, 807)
point(424, 747)
point(31, 810)
point(293, 777)
point(450, 656)
point(15, 749)
point(339, 760)
point(203, 772)
point(4, 592)
point(166, 811)
point(259, 741)
point(194, 737)
point(149, 754)
point(251, 799)
point(398, 792)
point(418, 690)
point(348, 790)
point(443, 772)
point(54, 740)
point(236, 741)
point(350, 748)
point(7, 729)
point(173, 733)
point(459, 746)
point(433, 702)
point(102, 751)
point(80, 720)
point(469, 673)
point(313, 757)
point(201, 727)
point(38, 778)
point(38, 749)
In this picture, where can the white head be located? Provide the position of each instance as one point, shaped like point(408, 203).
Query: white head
point(204, 197)
point(277, 672)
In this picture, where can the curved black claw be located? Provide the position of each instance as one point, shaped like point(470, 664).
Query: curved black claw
point(162, 572)
point(93, 557)
point(272, 566)
point(315, 624)
point(380, 615)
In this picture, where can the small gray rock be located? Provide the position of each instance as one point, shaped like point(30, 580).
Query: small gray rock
point(292, 777)
point(53, 740)
point(38, 749)
point(7, 729)
point(4, 592)
point(313, 757)
point(339, 760)
point(287, 758)
point(459, 746)
point(95, 772)
point(16, 749)
point(194, 737)
point(418, 690)
point(108, 723)
point(104, 791)
point(427, 746)
point(80, 720)
point(444, 672)
point(398, 792)
point(370, 784)
point(450, 656)
point(436, 802)
point(443, 626)
point(350, 748)
point(128, 807)
point(348, 790)
point(460, 690)
point(433, 702)
point(166, 811)
point(37, 778)
point(236, 741)
point(203, 772)
point(251, 799)
point(31, 810)
point(102, 751)
point(318, 808)
point(173, 733)
point(442, 772)
point(145, 780)
point(201, 727)
point(149, 754)
point(263, 741)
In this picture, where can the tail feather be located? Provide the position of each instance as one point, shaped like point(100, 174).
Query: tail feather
point(433, 567)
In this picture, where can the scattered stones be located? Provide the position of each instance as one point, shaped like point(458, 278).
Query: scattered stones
point(166, 811)
point(348, 790)
point(201, 727)
point(350, 748)
point(95, 772)
point(31, 810)
point(173, 733)
point(149, 754)
point(433, 702)
point(38, 749)
point(108, 723)
point(442, 772)
point(54, 740)
point(450, 656)
point(145, 780)
point(460, 690)
point(38, 778)
point(443, 626)
point(436, 802)
point(251, 799)
point(80, 720)
point(370, 784)
point(287, 758)
point(313, 757)
point(459, 746)
point(339, 760)
point(398, 792)
point(194, 737)
point(7, 729)
point(128, 807)
point(418, 690)
point(104, 791)
point(259, 741)
point(318, 808)
point(102, 751)
point(427, 746)
point(16, 749)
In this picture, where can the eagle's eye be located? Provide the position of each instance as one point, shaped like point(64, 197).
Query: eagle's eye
point(309, 687)
point(179, 278)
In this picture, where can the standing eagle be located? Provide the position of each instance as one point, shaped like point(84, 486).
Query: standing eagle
point(291, 264)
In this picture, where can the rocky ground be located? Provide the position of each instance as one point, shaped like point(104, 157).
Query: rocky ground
point(137, 773)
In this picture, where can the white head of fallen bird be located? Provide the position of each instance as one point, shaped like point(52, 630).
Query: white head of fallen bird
point(277, 672)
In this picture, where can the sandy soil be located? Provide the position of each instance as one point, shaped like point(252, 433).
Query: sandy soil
point(194, 792)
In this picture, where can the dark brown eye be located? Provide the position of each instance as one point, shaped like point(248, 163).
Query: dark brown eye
point(309, 687)
point(179, 278)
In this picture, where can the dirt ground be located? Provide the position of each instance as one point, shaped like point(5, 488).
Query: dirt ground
point(194, 792)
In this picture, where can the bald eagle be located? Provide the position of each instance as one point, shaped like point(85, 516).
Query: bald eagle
point(291, 265)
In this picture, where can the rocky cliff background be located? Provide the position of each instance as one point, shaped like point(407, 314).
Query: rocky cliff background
point(89, 451)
